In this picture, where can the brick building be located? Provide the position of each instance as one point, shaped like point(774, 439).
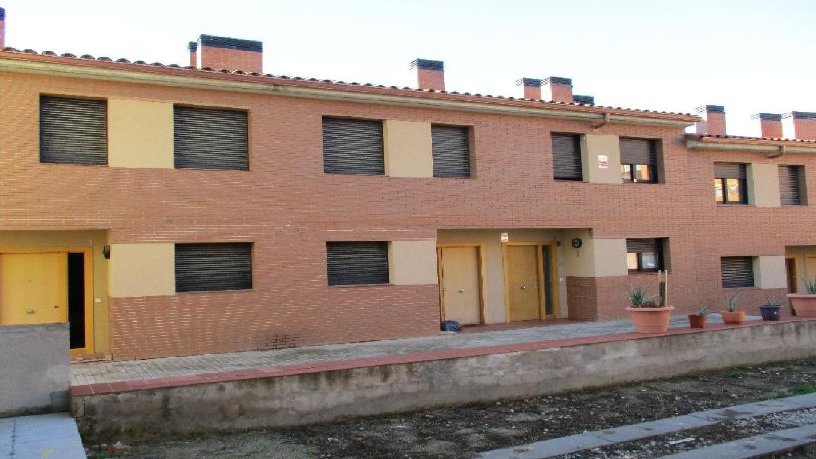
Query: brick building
point(166, 210)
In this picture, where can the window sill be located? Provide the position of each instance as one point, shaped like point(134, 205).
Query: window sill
point(214, 291)
point(361, 285)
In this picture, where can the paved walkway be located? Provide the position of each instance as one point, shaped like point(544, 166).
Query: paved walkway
point(304, 358)
point(746, 447)
point(43, 436)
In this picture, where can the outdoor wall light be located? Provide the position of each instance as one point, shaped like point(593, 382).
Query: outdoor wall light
point(106, 251)
point(577, 242)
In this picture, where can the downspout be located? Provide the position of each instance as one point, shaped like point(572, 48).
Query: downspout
point(779, 153)
point(606, 119)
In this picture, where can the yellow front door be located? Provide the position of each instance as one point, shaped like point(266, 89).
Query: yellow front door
point(522, 282)
point(461, 299)
point(33, 288)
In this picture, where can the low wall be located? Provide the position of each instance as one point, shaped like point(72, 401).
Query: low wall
point(35, 368)
point(331, 395)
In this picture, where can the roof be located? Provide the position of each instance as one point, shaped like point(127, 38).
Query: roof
point(45, 60)
point(743, 143)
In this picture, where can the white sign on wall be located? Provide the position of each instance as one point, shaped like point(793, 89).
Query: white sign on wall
point(603, 161)
point(505, 237)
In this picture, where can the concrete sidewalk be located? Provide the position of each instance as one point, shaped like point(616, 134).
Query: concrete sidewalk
point(47, 435)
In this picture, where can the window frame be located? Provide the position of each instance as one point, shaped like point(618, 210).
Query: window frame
point(630, 175)
point(660, 243)
point(748, 259)
point(577, 139)
point(723, 183)
point(380, 170)
point(249, 249)
point(42, 134)
point(468, 145)
point(801, 190)
point(346, 278)
point(200, 166)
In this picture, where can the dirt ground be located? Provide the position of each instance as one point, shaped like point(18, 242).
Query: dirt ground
point(460, 432)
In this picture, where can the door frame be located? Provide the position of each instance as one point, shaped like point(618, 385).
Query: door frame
point(554, 283)
point(481, 271)
point(89, 292)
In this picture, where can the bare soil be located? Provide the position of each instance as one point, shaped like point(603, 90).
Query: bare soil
point(461, 432)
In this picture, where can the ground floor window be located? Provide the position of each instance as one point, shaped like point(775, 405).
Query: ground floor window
point(213, 267)
point(644, 254)
point(737, 272)
point(357, 263)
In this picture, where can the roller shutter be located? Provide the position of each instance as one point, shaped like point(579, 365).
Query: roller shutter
point(737, 272)
point(638, 151)
point(206, 138)
point(451, 152)
point(353, 147)
point(644, 246)
point(789, 188)
point(208, 267)
point(73, 131)
point(730, 170)
point(350, 263)
point(567, 157)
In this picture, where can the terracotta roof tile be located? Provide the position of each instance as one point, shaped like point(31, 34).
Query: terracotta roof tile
point(747, 138)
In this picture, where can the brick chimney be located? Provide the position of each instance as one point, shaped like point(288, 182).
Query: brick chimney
point(532, 88)
point(804, 125)
point(560, 88)
point(193, 48)
point(430, 74)
point(228, 53)
point(2, 28)
point(586, 100)
point(713, 120)
point(770, 124)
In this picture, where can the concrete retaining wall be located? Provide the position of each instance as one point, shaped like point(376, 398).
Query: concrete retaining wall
point(331, 395)
point(34, 369)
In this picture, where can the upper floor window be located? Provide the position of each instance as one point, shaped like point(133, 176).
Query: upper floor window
point(644, 254)
point(73, 131)
point(212, 267)
point(352, 146)
point(737, 272)
point(567, 157)
point(638, 160)
point(730, 183)
point(357, 263)
point(206, 138)
point(451, 151)
point(791, 180)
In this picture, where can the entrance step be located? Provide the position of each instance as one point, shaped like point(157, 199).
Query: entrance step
point(46, 435)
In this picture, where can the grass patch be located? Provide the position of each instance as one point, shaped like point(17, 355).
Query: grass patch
point(806, 389)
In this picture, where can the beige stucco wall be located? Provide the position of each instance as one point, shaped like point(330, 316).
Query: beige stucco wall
point(408, 149)
point(769, 272)
point(140, 134)
point(596, 257)
point(593, 145)
point(142, 270)
point(412, 262)
point(74, 239)
point(763, 185)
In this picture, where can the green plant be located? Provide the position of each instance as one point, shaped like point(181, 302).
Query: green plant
point(810, 285)
point(639, 298)
point(773, 301)
point(732, 303)
point(702, 310)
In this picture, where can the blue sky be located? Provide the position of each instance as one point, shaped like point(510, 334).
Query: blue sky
point(748, 55)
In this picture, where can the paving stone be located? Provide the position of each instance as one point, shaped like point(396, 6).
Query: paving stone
point(49, 435)
point(549, 448)
point(744, 448)
point(652, 428)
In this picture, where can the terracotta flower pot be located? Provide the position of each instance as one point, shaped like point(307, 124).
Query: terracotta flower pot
point(651, 320)
point(696, 321)
point(736, 317)
point(804, 305)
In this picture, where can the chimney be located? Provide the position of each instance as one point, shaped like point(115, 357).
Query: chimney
point(804, 125)
point(713, 120)
point(2, 28)
point(771, 125)
point(430, 74)
point(193, 48)
point(532, 88)
point(560, 89)
point(229, 53)
point(585, 100)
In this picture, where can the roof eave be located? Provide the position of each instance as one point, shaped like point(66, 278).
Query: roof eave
point(697, 142)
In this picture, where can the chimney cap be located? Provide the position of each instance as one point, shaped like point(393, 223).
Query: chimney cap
point(231, 43)
point(803, 115)
point(535, 82)
point(192, 46)
point(427, 64)
point(586, 100)
point(2, 13)
point(768, 116)
point(711, 109)
point(558, 80)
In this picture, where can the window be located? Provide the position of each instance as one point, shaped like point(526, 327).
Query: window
point(73, 131)
point(206, 138)
point(451, 151)
point(737, 272)
point(730, 184)
point(644, 254)
point(790, 185)
point(638, 160)
point(211, 267)
point(357, 263)
point(353, 147)
point(567, 157)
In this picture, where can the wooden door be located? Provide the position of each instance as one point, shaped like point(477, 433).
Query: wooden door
point(33, 288)
point(461, 296)
point(522, 282)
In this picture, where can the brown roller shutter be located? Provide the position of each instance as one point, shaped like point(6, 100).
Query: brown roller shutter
point(451, 152)
point(209, 267)
point(567, 157)
point(73, 131)
point(354, 263)
point(638, 151)
point(789, 188)
point(737, 272)
point(644, 246)
point(353, 147)
point(206, 138)
point(730, 170)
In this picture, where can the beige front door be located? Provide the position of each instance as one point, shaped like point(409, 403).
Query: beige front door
point(521, 263)
point(33, 288)
point(459, 280)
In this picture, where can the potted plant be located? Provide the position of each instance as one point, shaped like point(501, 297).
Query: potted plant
point(770, 310)
point(731, 315)
point(698, 319)
point(647, 315)
point(804, 304)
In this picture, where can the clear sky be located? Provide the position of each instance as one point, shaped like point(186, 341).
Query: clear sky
point(748, 55)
